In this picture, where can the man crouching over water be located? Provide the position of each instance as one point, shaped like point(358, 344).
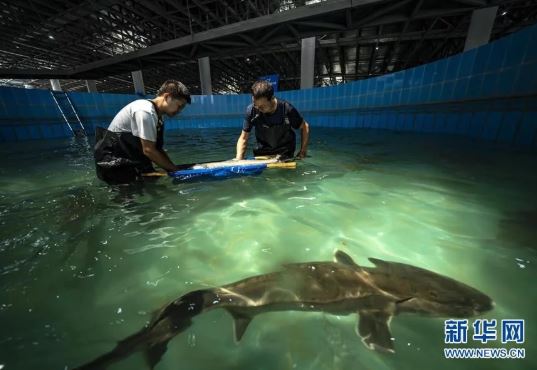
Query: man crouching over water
point(135, 138)
point(274, 121)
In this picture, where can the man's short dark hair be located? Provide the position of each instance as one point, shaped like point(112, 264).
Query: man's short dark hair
point(176, 89)
point(262, 89)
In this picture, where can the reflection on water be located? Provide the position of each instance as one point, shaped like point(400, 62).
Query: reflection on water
point(83, 265)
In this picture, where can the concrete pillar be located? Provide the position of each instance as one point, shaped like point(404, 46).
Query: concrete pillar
point(480, 27)
point(92, 86)
point(138, 81)
point(55, 85)
point(204, 65)
point(307, 63)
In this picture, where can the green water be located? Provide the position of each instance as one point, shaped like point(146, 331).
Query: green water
point(83, 265)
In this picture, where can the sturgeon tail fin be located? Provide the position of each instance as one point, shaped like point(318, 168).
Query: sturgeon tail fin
point(153, 339)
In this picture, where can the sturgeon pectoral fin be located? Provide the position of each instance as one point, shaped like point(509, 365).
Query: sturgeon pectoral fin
point(374, 329)
point(240, 324)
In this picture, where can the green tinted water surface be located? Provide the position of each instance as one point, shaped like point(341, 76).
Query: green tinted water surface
point(83, 265)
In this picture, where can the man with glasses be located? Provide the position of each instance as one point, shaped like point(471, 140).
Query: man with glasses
point(274, 121)
point(134, 140)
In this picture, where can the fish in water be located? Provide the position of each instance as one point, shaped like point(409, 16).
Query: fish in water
point(342, 287)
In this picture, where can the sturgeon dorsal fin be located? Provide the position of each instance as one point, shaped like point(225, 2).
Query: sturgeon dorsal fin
point(379, 263)
point(240, 324)
point(344, 259)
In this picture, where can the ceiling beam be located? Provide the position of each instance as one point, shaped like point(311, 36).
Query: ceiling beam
point(226, 30)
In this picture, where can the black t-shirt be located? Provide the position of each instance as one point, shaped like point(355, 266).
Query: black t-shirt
point(254, 116)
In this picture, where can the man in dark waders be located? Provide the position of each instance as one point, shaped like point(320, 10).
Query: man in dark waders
point(134, 139)
point(274, 121)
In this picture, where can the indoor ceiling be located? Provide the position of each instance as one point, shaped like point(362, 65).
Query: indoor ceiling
point(105, 40)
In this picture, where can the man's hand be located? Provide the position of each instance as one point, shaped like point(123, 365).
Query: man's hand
point(301, 154)
point(305, 138)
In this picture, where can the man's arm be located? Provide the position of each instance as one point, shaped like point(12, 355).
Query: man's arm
point(304, 139)
point(165, 154)
point(299, 123)
point(159, 157)
point(242, 144)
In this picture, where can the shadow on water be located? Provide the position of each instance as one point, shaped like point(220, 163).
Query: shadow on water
point(54, 224)
point(63, 223)
point(98, 215)
point(519, 228)
point(81, 224)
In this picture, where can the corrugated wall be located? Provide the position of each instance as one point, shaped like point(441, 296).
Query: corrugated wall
point(487, 93)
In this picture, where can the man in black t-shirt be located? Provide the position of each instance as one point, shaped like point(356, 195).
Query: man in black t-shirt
point(274, 121)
